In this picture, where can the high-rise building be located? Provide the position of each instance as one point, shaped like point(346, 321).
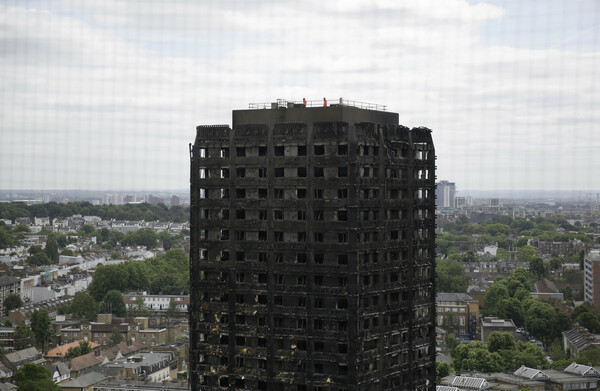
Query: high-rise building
point(312, 251)
point(445, 193)
point(591, 278)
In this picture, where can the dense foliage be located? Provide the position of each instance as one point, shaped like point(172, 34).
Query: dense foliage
point(32, 377)
point(500, 354)
point(166, 274)
point(53, 210)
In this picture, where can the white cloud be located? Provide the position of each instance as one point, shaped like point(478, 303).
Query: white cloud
point(106, 94)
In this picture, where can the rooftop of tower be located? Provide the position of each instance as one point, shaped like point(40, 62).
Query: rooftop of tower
point(309, 112)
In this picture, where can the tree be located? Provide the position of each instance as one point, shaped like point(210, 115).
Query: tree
point(590, 321)
point(166, 284)
point(114, 303)
point(84, 306)
point(511, 308)
point(52, 250)
point(537, 267)
point(442, 370)
point(11, 302)
point(6, 238)
point(32, 377)
point(496, 293)
point(40, 324)
point(23, 337)
point(38, 259)
point(76, 351)
point(116, 337)
point(500, 341)
point(450, 323)
point(545, 321)
point(138, 308)
point(173, 310)
point(525, 253)
point(451, 276)
point(476, 357)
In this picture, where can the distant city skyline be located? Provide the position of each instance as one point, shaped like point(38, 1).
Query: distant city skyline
point(106, 95)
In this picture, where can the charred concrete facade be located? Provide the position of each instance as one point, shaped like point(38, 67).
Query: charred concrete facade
point(312, 252)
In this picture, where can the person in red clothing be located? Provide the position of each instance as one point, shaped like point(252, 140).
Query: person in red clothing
point(304, 101)
point(324, 102)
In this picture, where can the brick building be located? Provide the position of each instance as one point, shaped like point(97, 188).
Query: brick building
point(312, 251)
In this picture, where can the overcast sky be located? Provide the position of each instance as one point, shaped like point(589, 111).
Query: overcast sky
point(106, 94)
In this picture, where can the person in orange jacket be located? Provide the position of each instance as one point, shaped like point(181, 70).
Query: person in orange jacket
point(324, 102)
point(304, 101)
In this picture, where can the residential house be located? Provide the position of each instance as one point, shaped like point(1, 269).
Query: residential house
point(60, 371)
point(153, 367)
point(460, 306)
point(465, 382)
point(59, 353)
point(85, 363)
point(15, 360)
point(8, 286)
point(578, 339)
point(83, 382)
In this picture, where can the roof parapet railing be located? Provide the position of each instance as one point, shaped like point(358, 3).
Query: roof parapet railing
point(283, 103)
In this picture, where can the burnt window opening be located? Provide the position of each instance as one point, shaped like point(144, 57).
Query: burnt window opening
point(224, 152)
point(301, 150)
point(342, 259)
point(262, 257)
point(240, 214)
point(318, 237)
point(318, 302)
point(301, 172)
point(240, 151)
point(342, 215)
point(278, 194)
point(262, 214)
point(262, 172)
point(240, 193)
point(301, 280)
point(342, 149)
point(240, 172)
point(342, 172)
point(278, 150)
point(342, 193)
point(262, 151)
point(278, 214)
point(262, 236)
point(318, 194)
point(318, 280)
point(301, 236)
point(302, 302)
point(319, 172)
point(278, 236)
point(318, 215)
point(279, 172)
point(278, 300)
point(224, 173)
point(301, 215)
point(262, 193)
point(319, 150)
point(301, 193)
point(319, 258)
point(342, 237)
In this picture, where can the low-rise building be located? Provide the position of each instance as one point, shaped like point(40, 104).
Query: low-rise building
point(578, 339)
point(461, 306)
point(60, 371)
point(491, 324)
point(83, 382)
point(7, 338)
point(17, 359)
point(152, 367)
point(60, 352)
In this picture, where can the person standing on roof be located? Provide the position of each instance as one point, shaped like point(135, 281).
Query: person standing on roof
point(324, 102)
point(304, 101)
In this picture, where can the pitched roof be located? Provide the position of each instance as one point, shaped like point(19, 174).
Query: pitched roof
point(20, 355)
point(447, 296)
point(530, 373)
point(468, 382)
point(62, 350)
point(89, 379)
point(583, 370)
point(85, 361)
